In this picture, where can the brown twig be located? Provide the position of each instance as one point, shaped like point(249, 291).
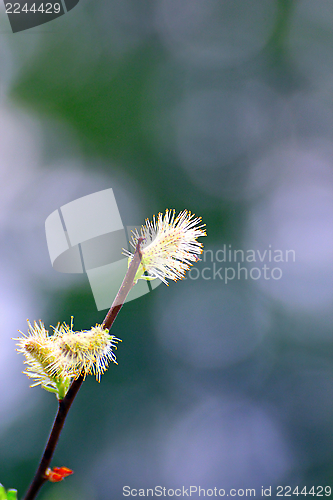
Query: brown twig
point(65, 404)
point(125, 287)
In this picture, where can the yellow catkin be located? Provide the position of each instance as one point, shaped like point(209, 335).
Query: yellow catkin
point(169, 245)
point(66, 354)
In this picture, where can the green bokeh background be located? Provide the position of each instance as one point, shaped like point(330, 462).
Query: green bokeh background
point(104, 84)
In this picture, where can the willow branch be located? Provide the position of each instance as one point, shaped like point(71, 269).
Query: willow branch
point(125, 287)
point(65, 404)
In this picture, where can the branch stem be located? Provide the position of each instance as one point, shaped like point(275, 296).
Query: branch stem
point(125, 287)
point(65, 404)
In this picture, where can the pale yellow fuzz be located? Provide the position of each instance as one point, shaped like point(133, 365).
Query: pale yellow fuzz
point(40, 352)
point(84, 352)
point(169, 245)
point(54, 360)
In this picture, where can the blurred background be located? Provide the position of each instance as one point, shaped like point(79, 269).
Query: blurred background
point(222, 107)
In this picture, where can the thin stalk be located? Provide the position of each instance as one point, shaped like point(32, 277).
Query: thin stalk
point(65, 404)
point(125, 287)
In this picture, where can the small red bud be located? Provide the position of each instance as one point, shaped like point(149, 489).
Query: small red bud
point(57, 474)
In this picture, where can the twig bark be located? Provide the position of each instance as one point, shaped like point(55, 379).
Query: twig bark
point(65, 404)
point(125, 287)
